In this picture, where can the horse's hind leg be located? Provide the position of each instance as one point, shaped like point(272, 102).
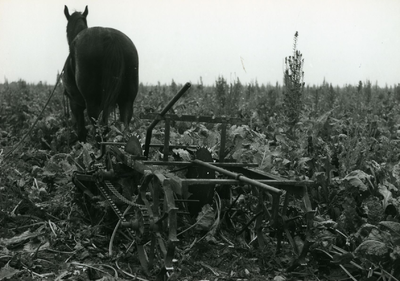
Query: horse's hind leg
point(125, 113)
point(126, 99)
point(78, 114)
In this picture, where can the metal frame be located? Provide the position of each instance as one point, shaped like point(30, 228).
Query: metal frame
point(236, 173)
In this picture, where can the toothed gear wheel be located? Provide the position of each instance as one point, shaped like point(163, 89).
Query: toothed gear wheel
point(203, 153)
point(203, 193)
point(134, 146)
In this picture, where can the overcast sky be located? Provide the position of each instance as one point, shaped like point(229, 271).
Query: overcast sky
point(342, 40)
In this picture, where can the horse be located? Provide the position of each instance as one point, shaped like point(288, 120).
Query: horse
point(100, 72)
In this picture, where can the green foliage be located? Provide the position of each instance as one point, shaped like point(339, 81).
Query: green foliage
point(20, 105)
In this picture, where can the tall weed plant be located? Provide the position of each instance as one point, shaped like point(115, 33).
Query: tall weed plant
point(293, 87)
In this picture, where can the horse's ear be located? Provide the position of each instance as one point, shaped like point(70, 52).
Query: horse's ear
point(66, 12)
point(86, 12)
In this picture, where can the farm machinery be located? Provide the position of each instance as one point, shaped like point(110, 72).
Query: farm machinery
point(151, 198)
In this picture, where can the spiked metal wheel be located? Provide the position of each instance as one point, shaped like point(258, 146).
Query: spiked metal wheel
point(157, 196)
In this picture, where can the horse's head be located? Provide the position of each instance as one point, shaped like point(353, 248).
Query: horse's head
point(76, 23)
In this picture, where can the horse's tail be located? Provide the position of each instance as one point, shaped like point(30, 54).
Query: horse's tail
point(113, 77)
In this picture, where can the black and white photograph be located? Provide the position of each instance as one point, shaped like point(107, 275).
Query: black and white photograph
point(200, 140)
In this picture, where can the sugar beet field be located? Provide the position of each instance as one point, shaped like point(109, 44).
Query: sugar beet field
point(228, 182)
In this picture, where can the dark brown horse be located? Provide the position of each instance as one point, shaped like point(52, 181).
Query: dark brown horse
point(101, 71)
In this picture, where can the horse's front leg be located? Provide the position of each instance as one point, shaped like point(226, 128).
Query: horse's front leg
point(94, 113)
